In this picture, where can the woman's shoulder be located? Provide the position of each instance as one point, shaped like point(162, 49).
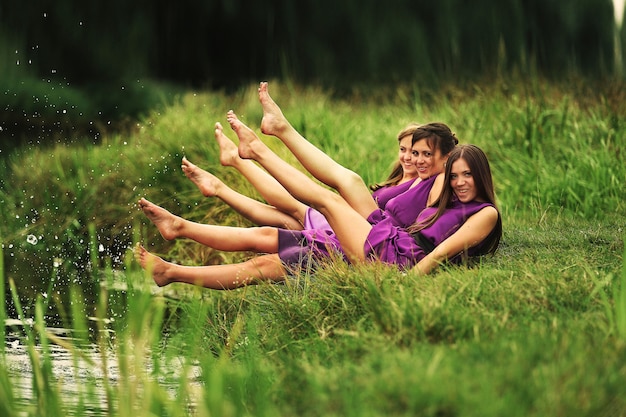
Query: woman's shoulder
point(489, 211)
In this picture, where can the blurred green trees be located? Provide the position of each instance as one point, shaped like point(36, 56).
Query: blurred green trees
point(103, 58)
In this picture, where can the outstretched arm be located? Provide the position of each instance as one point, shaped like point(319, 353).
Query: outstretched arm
point(474, 230)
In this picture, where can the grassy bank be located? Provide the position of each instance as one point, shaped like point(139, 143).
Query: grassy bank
point(539, 329)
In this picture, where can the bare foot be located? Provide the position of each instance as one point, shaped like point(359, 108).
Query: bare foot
point(274, 122)
point(208, 184)
point(228, 149)
point(168, 224)
point(248, 140)
point(155, 265)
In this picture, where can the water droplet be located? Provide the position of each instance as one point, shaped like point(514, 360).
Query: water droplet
point(32, 239)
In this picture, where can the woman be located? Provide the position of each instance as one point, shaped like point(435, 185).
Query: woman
point(471, 224)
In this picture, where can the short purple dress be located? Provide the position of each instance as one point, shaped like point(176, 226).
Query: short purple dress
point(386, 242)
point(384, 194)
point(314, 220)
point(394, 245)
point(403, 209)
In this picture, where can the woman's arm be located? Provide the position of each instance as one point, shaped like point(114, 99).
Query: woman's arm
point(470, 234)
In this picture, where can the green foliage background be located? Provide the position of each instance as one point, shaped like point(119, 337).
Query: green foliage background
point(74, 65)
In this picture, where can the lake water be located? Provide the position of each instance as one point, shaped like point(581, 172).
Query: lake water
point(77, 377)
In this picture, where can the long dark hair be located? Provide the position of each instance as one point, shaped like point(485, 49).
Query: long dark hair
point(438, 136)
point(483, 181)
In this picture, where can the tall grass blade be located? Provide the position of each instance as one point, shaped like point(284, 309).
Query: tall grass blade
point(620, 300)
point(50, 395)
point(103, 338)
point(37, 377)
point(3, 313)
point(6, 390)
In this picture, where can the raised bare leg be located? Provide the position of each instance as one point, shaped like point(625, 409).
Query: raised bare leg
point(225, 238)
point(349, 184)
point(218, 277)
point(169, 225)
point(208, 184)
point(229, 155)
point(349, 225)
point(270, 189)
point(253, 210)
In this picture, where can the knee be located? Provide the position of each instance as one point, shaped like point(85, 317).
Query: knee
point(351, 180)
point(268, 232)
point(266, 267)
point(330, 200)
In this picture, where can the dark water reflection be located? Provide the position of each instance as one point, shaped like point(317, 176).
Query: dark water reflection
point(37, 274)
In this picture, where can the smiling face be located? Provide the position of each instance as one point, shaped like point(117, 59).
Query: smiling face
point(405, 156)
point(462, 181)
point(427, 160)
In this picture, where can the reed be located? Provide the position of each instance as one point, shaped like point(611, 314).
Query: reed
point(3, 313)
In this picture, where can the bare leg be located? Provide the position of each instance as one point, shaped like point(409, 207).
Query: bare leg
point(270, 189)
point(349, 225)
point(253, 210)
point(218, 277)
point(208, 184)
point(231, 239)
point(350, 185)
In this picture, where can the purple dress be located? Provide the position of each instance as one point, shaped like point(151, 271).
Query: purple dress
point(386, 242)
point(299, 249)
point(386, 193)
point(314, 220)
point(403, 209)
point(394, 245)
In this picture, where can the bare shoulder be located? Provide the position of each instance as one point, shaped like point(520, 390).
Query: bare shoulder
point(487, 216)
point(489, 211)
point(440, 179)
point(435, 191)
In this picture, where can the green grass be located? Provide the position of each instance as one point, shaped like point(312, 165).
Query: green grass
point(539, 329)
